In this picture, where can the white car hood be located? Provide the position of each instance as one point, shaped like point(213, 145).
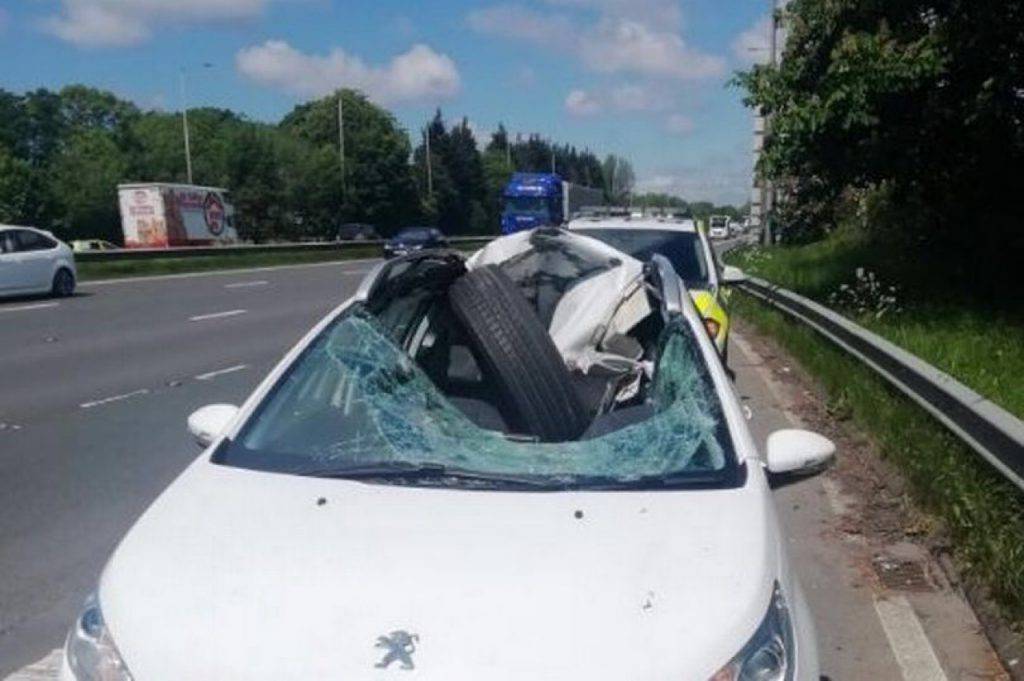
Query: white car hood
point(235, 574)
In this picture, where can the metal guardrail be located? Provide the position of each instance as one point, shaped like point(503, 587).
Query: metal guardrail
point(125, 254)
point(993, 432)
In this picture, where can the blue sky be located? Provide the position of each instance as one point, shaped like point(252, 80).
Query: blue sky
point(645, 79)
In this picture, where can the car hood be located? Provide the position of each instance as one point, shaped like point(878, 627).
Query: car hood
point(236, 574)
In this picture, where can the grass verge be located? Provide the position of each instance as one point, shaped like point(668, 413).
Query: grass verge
point(979, 341)
point(982, 514)
point(156, 266)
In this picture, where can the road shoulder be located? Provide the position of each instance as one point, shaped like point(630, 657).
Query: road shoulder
point(863, 552)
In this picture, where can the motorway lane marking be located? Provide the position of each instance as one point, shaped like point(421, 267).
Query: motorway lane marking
point(115, 398)
point(46, 668)
point(216, 315)
point(247, 284)
point(33, 306)
point(914, 654)
point(234, 271)
point(220, 372)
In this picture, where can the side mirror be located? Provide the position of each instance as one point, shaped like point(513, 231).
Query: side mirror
point(207, 423)
point(799, 452)
point(732, 275)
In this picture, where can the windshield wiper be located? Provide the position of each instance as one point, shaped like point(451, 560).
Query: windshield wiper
point(407, 470)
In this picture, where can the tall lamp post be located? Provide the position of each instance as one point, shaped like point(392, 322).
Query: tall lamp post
point(184, 120)
point(768, 200)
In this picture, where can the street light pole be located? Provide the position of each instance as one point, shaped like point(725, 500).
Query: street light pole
point(341, 142)
point(768, 200)
point(430, 179)
point(184, 125)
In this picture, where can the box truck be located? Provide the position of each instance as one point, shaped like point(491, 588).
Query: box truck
point(162, 215)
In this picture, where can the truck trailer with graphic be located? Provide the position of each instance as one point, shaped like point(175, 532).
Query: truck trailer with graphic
point(164, 215)
point(539, 199)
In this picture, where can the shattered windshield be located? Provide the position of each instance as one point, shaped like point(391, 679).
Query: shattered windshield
point(683, 249)
point(356, 399)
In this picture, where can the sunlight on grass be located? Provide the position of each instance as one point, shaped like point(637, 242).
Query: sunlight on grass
point(980, 343)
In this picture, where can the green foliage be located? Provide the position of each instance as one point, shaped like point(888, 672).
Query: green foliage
point(619, 179)
point(84, 181)
point(62, 155)
point(15, 187)
point(920, 99)
point(980, 343)
point(982, 513)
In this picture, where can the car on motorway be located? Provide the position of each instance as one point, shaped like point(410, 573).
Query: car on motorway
point(689, 251)
point(356, 231)
point(718, 227)
point(85, 245)
point(413, 239)
point(34, 261)
point(524, 464)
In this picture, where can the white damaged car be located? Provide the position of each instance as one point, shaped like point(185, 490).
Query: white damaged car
point(525, 465)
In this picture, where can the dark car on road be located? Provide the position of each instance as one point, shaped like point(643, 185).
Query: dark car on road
point(414, 239)
point(356, 231)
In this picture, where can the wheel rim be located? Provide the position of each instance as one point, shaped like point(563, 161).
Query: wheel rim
point(64, 283)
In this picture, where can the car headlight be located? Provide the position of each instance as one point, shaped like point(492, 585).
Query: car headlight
point(768, 655)
point(90, 651)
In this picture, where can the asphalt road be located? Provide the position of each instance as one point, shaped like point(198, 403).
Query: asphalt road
point(95, 390)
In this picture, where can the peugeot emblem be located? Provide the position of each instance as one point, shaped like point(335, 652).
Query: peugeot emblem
point(399, 645)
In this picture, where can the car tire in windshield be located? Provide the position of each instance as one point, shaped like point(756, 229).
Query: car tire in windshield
point(514, 350)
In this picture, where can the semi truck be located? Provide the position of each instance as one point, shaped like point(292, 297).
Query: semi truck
point(163, 215)
point(539, 199)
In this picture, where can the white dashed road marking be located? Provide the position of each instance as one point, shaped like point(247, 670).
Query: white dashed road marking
point(115, 398)
point(247, 284)
point(908, 641)
point(33, 306)
point(216, 315)
point(220, 372)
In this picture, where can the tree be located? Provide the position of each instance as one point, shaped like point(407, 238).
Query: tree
point(84, 180)
point(916, 102)
point(15, 189)
point(618, 179)
point(378, 184)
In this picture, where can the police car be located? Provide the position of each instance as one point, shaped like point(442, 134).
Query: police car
point(686, 247)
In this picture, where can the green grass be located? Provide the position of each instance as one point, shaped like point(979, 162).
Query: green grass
point(156, 266)
point(983, 514)
point(980, 342)
point(142, 268)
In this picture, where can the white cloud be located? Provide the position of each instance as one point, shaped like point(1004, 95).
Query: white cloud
point(121, 23)
point(624, 97)
point(718, 178)
point(679, 124)
point(618, 41)
point(522, 23)
point(751, 46)
point(636, 97)
point(665, 13)
point(418, 74)
point(581, 103)
point(626, 46)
